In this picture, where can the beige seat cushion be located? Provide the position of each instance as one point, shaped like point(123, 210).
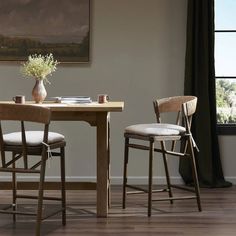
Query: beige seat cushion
point(33, 138)
point(155, 129)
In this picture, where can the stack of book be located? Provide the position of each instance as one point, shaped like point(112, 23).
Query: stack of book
point(73, 99)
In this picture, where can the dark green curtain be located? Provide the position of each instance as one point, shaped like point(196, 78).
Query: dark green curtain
point(200, 81)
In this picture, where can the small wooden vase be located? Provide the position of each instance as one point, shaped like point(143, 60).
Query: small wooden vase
point(39, 92)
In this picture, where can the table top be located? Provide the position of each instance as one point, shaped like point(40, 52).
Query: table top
point(116, 106)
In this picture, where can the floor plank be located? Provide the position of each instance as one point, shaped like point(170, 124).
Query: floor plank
point(218, 217)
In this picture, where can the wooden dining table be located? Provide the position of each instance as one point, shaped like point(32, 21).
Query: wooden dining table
point(97, 115)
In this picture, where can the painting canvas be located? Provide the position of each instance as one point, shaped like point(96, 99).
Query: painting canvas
point(60, 27)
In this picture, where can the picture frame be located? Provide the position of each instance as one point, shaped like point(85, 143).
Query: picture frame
point(60, 27)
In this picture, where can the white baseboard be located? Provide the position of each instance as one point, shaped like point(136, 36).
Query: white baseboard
point(116, 180)
point(231, 179)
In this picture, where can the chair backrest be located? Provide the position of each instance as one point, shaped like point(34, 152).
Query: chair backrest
point(25, 113)
point(184, 106)
point(22, 113)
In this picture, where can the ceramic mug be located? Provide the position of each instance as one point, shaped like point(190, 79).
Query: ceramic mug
point(19, 99)
point(103, 98)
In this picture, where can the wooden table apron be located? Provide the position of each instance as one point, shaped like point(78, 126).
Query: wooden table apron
point(97, 115)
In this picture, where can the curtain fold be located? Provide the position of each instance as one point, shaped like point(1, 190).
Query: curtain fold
point(200, 81)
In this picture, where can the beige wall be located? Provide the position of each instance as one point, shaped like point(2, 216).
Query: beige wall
point(137, 55)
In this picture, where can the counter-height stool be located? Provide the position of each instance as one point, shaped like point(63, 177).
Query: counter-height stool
point(184, 107)
point(24, 147)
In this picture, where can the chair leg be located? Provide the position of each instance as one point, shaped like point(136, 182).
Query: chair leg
point(151, 151)
point(63, 193)
point(126, 157)
point(167, 171)
point(195, 176)
point(13, 189)
point(40, 195)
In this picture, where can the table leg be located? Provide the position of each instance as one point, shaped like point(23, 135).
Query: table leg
point(109, 164)
point(102, 163)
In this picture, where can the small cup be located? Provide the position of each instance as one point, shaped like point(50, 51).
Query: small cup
point(19, 99)
point(103, 98)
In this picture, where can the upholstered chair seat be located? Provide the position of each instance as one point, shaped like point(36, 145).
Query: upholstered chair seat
point(155, 129)
point(33, 138)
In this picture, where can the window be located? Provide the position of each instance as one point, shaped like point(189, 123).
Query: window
point(225, 65)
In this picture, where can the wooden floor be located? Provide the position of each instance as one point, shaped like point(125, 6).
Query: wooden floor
point(218, 217)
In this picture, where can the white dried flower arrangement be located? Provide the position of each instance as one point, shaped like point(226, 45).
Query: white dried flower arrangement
point(39, 66)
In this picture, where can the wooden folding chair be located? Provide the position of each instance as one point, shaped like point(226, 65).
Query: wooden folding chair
point(24, 145)
point(185, 107)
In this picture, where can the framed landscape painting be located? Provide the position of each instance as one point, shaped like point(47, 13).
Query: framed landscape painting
point(60, 27)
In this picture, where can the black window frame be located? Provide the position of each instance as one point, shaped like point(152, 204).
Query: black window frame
point(225, 129)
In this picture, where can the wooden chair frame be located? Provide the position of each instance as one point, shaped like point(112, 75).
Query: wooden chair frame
point(35, 114)
point(185, 107)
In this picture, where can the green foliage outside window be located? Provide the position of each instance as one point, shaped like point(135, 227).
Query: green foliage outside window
point(226, 101)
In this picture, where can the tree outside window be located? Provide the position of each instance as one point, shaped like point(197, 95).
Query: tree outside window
point(225, 61)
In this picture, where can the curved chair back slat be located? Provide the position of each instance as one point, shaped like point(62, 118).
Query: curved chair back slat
point(182, 105)
point(172, 104)
point(189, 107)
point(21, 112)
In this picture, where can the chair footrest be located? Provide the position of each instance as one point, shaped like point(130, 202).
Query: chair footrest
point(174, 198)
point(36, 197)
point(19, 170)
point(141, 190)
